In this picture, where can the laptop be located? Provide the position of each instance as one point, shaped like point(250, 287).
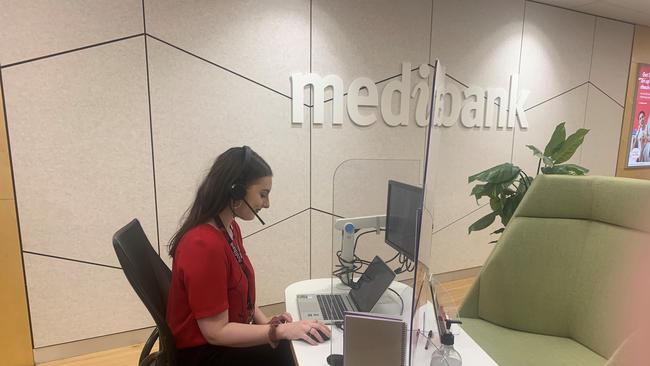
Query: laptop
point(331, 308)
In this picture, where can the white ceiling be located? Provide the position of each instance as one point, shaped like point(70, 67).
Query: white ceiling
point(633, 11)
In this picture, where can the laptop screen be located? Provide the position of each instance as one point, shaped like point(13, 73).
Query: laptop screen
point(372, 284)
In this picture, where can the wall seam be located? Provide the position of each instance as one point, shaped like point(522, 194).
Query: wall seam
point(521, 56)
point(153, 155)
point(71, 51)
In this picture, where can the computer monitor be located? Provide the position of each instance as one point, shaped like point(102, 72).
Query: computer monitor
point(403, 205)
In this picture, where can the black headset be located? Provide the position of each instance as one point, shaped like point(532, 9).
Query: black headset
point(238, 187)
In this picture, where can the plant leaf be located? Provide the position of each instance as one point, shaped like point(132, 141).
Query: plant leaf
point(539, 154)
point(505, 172)
point(566, 150)
point(482, 223)
point(559, 135)
point(496, 204)
point(566, 169)
point(509, 207)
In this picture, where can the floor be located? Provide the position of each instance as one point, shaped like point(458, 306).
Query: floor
point(450, 297)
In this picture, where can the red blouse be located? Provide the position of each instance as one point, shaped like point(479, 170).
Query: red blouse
point(207, 280)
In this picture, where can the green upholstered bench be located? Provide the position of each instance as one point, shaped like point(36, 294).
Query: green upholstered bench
point(554, 286)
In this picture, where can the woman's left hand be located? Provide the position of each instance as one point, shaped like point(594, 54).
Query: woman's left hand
point(285, 317)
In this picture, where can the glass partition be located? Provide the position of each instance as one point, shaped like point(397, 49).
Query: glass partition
point(380, 221)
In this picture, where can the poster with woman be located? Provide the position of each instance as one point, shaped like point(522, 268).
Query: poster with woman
point(639, 150)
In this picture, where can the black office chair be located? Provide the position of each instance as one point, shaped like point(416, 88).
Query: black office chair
point(150, 278)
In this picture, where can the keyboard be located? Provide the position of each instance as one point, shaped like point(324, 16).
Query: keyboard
point(332, 306)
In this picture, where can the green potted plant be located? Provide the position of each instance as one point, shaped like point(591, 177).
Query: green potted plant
point(506, 184)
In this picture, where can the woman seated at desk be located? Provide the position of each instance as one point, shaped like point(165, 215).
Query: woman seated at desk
point(211, 308)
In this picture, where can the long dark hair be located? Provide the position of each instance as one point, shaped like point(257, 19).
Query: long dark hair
point(238, 165)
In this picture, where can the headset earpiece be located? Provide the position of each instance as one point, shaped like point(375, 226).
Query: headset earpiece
point(237, 191)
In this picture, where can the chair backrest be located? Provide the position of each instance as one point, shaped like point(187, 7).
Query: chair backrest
point(150, 278)
point(563, 264)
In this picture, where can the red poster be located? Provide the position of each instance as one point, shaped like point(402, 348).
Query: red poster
point(639, 151)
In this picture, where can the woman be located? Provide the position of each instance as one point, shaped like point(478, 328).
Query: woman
point(211, 308)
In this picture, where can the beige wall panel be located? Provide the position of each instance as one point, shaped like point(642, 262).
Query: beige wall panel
point(453, 249)
point(556, 51)
point(568, 3)
point(6, 184)
point(322, 246)
point(369, 38)
point(262, 40)
point(280, 256)
point(72, 301)
point(600, 149)
point(569, 108)
point(81, 149)
point(16, 346)
point(462, 152)
point(40, 28)
point(614, 9)
point(611, 60)
point(198, 112)
point(478, 41)
point(333, 145)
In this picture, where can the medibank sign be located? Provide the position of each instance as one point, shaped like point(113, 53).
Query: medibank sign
point(474, 107)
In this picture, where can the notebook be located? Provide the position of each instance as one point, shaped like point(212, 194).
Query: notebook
point(373, 339)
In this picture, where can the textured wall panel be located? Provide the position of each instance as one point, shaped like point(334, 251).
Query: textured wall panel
point(262, 40)
point(569, 108)
point(322, 246)
point(280, 256)
point(39, 28)
point(611, 59)
point(556, 51)
point(198, 112)
point(369, 38)
point(614, 9)
point(478, 41)
point(80, 142)
point(71, 301)
point(600, 149)
point(453, 249)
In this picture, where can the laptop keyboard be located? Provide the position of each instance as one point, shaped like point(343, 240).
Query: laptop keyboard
point(332, 306)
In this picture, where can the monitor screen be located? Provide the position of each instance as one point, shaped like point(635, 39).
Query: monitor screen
point(403, 206)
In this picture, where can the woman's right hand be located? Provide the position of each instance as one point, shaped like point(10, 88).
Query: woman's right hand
point(303, 329)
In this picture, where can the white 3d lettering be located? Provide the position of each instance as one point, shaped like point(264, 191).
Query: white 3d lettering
point(473, 107)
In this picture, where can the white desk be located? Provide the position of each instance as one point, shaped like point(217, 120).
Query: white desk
point(390, 304)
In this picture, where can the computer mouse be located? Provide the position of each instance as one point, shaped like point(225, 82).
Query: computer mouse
point(335, 360)
point(325, 337)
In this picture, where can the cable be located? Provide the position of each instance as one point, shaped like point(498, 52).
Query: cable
point(343, 268)
point(401, 312)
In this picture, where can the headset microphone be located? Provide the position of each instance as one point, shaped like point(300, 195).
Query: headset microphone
point(256, 215)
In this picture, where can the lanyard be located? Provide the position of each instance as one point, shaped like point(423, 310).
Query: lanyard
point(240, 259)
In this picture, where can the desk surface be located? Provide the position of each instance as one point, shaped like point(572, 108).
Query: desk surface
point(389, 303)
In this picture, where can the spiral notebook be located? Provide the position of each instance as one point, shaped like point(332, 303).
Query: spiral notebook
point(374, 339)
